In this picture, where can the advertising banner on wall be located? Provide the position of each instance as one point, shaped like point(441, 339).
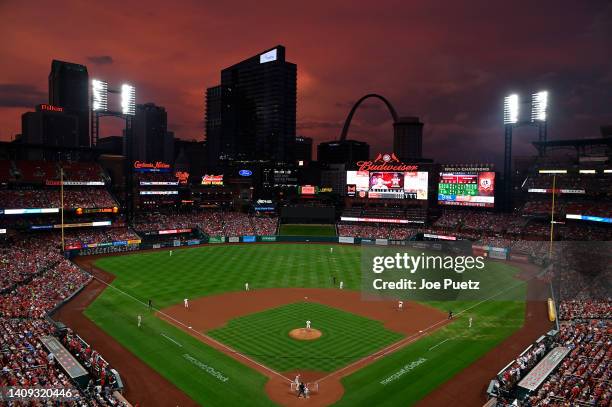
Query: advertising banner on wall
point(249, 239)
point(499, 253)
point(346, 239)
point(382, 242)
point(268, 238)
point(234, 239)
point(216, 239)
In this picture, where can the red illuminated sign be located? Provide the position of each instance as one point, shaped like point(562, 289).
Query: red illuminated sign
point(182, 176)
point(385, 162)
point(156, 165)
point(51, 108)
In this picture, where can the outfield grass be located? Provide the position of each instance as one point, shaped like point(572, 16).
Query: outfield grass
point(307, 230)
point(265, 336)
point(214, 269)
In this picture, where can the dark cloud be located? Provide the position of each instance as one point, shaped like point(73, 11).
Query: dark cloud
point(21, 95)
point(101, 59)
point(449, 63)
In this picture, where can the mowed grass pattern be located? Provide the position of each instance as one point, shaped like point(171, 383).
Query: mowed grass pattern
point(264, 336)
point(215, 269)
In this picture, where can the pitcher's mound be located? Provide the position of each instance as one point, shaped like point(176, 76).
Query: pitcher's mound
point(303, 334)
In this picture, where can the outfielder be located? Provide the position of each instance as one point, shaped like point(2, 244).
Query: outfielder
point(470, 322)
point(308, 324)
point(139, 320)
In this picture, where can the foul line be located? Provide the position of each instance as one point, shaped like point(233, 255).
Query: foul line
point(170, 339)
point(435, 346)
point(222, 345)
point(374, 356)
point(412, 338)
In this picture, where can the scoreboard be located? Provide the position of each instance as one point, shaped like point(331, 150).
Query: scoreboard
point(467, 188)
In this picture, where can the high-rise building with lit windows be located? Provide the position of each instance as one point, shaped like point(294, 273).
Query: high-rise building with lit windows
point(251, 115)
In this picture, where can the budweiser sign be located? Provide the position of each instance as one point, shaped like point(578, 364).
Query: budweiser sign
point(156, 165)
point(385, 162)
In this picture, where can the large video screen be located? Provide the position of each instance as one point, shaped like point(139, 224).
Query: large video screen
point(387, 184)
point(467, 188)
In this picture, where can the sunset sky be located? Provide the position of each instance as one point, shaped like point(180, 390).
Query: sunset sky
point(450, 63)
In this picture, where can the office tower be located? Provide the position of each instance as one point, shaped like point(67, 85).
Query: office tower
point(150, 133)
point(50, 126)
point(343, 152)
point(251, 115)
point(408, 139)
point(303, 150)
point(69, 89)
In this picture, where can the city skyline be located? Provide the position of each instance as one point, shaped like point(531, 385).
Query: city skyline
point(451, 67)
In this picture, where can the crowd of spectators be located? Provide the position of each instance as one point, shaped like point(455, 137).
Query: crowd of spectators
point(585, 309)
point(74, 197)
point(583, 377)
point(210, 222)
point(84, 236)
point(21, 258)
point(35, 280)
point(27, 363)
point(46, 290)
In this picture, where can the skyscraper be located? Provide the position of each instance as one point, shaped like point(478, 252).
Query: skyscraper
point(69, 89)
point(408, 139)
point(251, 115)
point(343, 152)
point(50, 126)
point(303, 149)
point(150, 133)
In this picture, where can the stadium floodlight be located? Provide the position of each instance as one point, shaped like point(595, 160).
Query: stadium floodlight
point(511, 109)
point(587, 172)
point(128, 99)
point(99, 91)
point(607, 171)
point(539, 106)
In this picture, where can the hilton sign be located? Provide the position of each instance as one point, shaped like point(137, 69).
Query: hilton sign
point(50, 108)
point(385, 162)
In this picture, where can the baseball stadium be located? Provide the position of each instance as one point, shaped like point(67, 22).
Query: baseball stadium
point(246, 273)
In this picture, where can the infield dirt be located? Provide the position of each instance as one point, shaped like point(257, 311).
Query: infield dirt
point(148, 388)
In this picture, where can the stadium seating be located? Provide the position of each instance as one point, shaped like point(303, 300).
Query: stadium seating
point(35, 279)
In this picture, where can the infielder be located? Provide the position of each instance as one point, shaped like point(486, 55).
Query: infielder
point(308, 324)
point(400, 305)
point(341, 285)
point(186, 302)
point(246, 286)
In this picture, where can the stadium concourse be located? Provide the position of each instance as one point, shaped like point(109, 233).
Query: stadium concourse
point(37, 279)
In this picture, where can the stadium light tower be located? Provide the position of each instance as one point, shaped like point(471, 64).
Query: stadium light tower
point(127, 111)
point(512, 119)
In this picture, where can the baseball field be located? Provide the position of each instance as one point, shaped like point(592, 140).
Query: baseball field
point(232, 346)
